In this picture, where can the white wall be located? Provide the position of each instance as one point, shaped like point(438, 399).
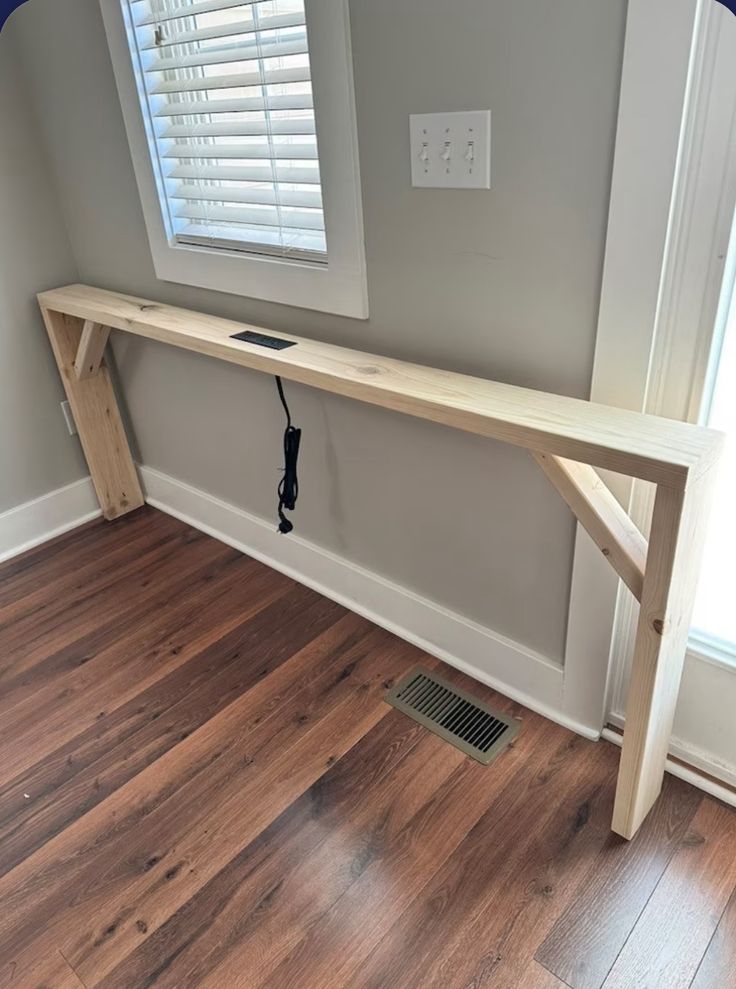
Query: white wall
point(36, 452)
point(502, 284)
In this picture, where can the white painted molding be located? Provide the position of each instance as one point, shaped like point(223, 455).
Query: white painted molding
point(507, 666)
point(703, 730)
point(691, 314)
point(650, 120)
point(37, 521)
point(692, 776)
point(673, 190)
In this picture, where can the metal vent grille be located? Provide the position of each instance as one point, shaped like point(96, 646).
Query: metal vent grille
point(449, 712)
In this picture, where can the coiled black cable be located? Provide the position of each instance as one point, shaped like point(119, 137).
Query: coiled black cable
point(289, 484)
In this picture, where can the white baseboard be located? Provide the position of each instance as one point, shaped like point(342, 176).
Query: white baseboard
point(701, 760)
point(507, 666)
point(37, 521)
point(703, 729)
point(698, 775)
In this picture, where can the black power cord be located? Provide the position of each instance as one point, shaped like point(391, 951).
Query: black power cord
point(289, 483)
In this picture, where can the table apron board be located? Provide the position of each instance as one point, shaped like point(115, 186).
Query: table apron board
point(568, 438)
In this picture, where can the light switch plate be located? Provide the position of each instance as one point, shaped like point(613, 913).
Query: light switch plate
point(451, 150)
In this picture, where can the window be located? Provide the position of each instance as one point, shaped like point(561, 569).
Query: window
point(714, 621)
point(237, 150)
point(241, 124)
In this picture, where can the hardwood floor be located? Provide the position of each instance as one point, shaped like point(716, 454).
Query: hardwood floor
point(201, 786)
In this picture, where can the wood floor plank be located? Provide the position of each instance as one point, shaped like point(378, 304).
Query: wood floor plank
point(479, 920)
point(415, 808)
point(52, 972)
point(395, 874)
point(57, 552)
point(196, 678)
point(537, 977)
point(62, 672)
point(50, 564)
point(52, 683)
point(248, 901)
point(38, 631)
point(384, 894)
point(201, 787)
point(195, 804)
point(670, 938)
point(183, 948)
point(39, 634)
point(511, 897)
point(560, 850)
point(718, 968)
point(586, 940)
point(101, 679)
point(261, 789)
point(58, 592)
point(14, 570)
point(137, 736)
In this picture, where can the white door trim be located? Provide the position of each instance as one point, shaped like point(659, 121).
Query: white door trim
point(673, 193)
point(651, 109)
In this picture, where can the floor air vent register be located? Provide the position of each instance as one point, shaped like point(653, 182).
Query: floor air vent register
point(458, 718)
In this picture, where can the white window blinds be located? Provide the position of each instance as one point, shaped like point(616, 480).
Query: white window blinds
point(228, 99)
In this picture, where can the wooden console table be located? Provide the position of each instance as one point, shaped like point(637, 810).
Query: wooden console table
point(567, 437)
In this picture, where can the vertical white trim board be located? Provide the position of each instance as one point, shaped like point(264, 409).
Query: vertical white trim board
point(645, 172)
point(39, 520)
point(673, 190)
point(507, 666)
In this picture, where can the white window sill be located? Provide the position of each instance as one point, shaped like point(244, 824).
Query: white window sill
point(325, 287)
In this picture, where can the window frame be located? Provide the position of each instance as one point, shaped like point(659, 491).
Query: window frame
point(338, 286)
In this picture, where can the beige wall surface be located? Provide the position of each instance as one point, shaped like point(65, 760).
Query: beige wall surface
point(37, 454)
point(503, 284)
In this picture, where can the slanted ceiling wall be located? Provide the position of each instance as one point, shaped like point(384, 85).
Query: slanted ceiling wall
point(502, 284)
